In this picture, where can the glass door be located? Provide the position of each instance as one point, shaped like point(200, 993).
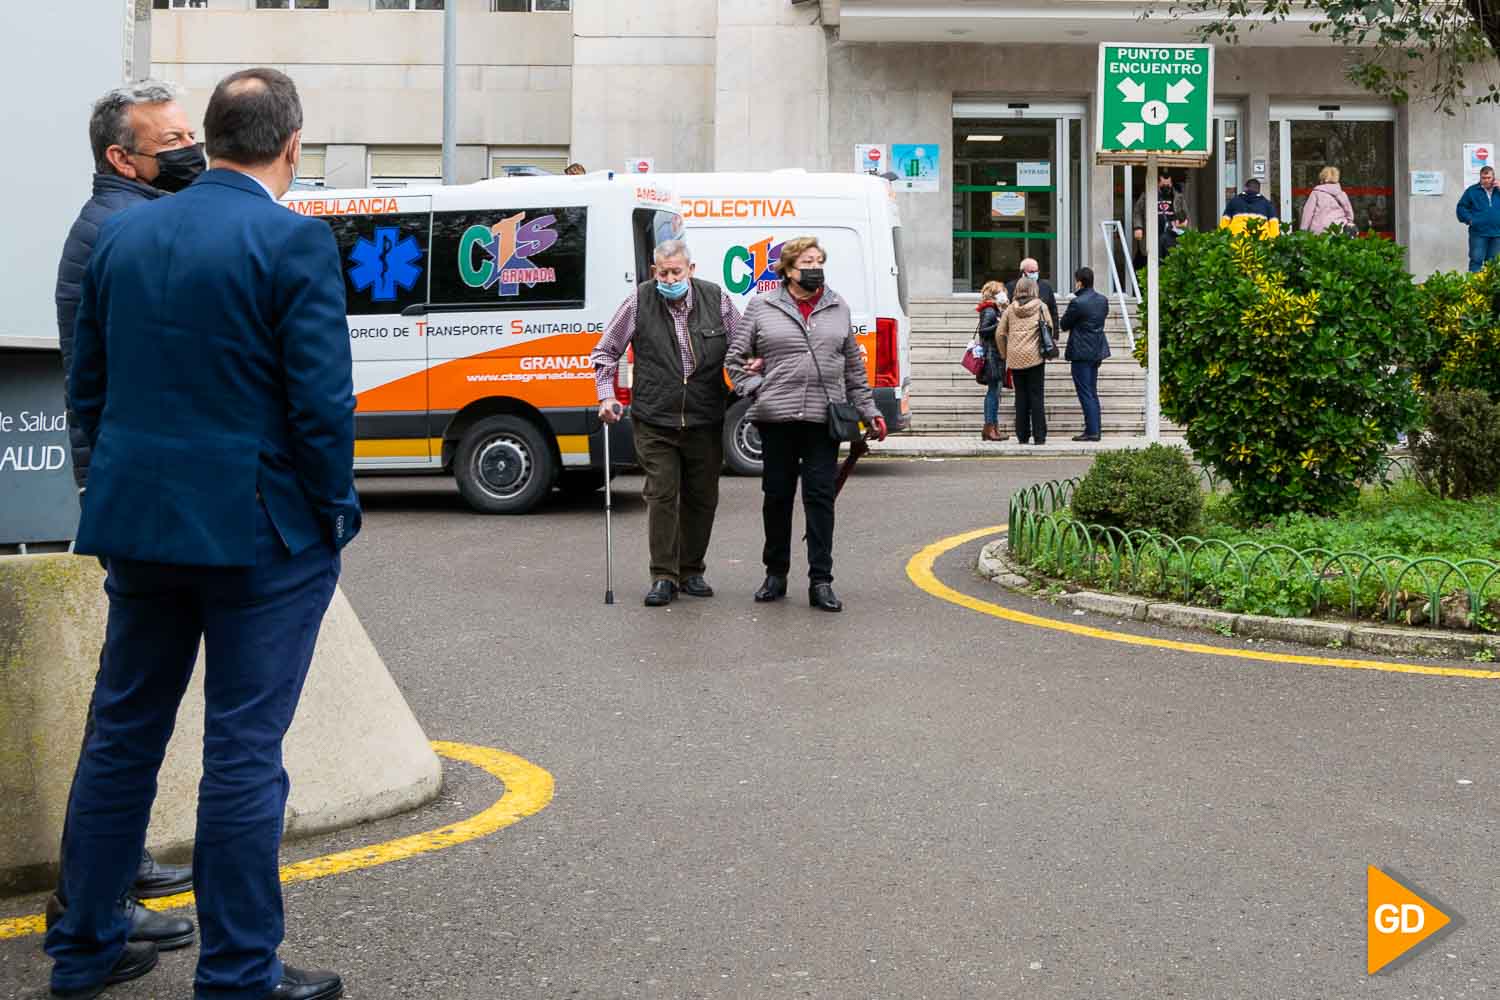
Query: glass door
point(1360, 142)
point(1019, 190)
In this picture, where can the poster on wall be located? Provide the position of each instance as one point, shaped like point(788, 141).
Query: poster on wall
point(871, 158)
point(1426, 182)
point(1007, 205)
point(915, 166)
point(38, 501)
point(1476, 156)
point(1034, 174)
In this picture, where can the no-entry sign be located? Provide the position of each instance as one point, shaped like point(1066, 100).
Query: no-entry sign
point(1155, 99)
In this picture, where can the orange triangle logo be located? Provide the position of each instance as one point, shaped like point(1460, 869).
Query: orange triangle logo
point(1396, 920)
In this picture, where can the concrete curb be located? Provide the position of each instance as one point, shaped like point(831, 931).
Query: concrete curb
point(994, 564)
point(917, 446)
point(354, 752)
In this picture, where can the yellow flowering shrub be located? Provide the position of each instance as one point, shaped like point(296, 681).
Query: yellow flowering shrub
point(1289, 360)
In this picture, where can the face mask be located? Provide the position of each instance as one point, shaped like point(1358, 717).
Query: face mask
point(811, 279)
point(1030, 274)
point(673, 290)
point(177, 168)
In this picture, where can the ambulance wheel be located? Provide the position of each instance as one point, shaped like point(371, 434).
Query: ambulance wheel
point(741, 441)
point(504, 465)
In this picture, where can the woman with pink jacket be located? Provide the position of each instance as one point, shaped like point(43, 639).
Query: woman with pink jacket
point(1328, 205)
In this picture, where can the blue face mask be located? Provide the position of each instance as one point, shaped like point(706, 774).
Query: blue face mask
point(673, 290)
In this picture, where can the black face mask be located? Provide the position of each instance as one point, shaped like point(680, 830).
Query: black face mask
point(811, 279)
point(177, 168)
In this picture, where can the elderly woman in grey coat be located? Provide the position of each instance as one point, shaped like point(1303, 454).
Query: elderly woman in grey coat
point(795, 352)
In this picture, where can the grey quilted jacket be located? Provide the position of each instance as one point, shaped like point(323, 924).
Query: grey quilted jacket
point(790, 387)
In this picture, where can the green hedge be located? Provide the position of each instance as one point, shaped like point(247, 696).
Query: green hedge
point(1289, 362)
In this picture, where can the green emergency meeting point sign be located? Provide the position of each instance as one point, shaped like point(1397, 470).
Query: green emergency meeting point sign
point(1155, 99)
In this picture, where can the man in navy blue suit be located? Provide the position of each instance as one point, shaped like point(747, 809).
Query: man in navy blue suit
point(212, 377)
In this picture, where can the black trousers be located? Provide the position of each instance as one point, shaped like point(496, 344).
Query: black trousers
point(1031, 403)
point(793, 451)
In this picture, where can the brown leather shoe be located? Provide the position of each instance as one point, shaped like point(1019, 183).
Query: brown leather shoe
point(989, 434)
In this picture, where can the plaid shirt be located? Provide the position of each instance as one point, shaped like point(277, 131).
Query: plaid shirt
point(621, 330)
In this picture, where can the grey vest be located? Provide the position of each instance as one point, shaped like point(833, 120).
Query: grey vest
point(661, 394)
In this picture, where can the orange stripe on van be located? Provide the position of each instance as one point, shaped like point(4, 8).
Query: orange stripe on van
point(550, 372)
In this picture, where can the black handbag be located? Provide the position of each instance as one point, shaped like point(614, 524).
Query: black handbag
point(1045, 337)
point(843, 418)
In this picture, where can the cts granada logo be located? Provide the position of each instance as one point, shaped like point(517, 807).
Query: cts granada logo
point(507, 247)
point(751, 269)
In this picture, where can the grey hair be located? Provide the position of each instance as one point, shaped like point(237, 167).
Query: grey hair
point(672, 248)
point(109, 124)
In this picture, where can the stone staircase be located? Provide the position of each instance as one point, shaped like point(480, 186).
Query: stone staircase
point(945, 399)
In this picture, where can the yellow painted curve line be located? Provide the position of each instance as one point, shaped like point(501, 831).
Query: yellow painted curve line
point(528, 790)
point(919, 570)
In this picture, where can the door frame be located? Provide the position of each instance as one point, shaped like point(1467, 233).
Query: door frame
point(1066, 256)
point(1283, 114)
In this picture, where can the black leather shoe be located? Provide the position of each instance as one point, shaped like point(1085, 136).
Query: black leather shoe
point(154, 880)
point(1085, 437)
point(661, 594)
point(821, 596)
point(167, 933)
point(139, 958)
point(774, 589)
point(306, 984)
point(696, 586)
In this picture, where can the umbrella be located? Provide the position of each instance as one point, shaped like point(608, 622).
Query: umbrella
point(857, 450)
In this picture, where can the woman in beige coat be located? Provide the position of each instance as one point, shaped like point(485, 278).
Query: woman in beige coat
point(1019, 339)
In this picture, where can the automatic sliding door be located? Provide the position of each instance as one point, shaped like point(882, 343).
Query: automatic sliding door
point(1005, 199)
point(1361, 143)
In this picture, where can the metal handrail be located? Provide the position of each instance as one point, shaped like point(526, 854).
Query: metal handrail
point(1045, 535)
point(1114, 233)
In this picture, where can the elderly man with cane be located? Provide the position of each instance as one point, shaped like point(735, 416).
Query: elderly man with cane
point(680, 327)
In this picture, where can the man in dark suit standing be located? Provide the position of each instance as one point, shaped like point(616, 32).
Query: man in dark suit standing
point(212, 377)
point(1088, 346)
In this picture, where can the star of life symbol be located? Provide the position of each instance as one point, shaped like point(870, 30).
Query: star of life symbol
point(385, 263)
point(1155, 112)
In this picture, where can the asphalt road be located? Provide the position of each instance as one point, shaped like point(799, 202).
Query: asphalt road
point(908, 800)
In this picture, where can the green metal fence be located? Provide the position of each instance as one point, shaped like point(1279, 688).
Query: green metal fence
point(1206, 570)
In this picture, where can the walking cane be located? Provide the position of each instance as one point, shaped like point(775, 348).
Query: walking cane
point(609, 507)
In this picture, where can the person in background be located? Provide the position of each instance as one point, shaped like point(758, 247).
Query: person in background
point(992, 300)
point(1088, 346)
point(680, 327)
point(1176, 229)
point(574, 170)
point(1019, 340)
point(1250, 202)
point(1479, 209)
point(144, 148)
point(795, 353)
point(1030, 269)
point(1327, 205)
point(1170, 203)
point(212, 377)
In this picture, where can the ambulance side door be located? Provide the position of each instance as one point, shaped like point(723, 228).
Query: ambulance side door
point(386, 275)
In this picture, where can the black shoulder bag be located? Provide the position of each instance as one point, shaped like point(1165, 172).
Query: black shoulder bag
point(843, 418)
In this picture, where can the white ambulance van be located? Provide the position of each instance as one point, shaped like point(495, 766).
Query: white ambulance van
point(736, 224)
point(472, 312)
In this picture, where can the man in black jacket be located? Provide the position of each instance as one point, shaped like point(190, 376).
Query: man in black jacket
point(1088, 346)
point(144, 148)
point(1030, 269)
